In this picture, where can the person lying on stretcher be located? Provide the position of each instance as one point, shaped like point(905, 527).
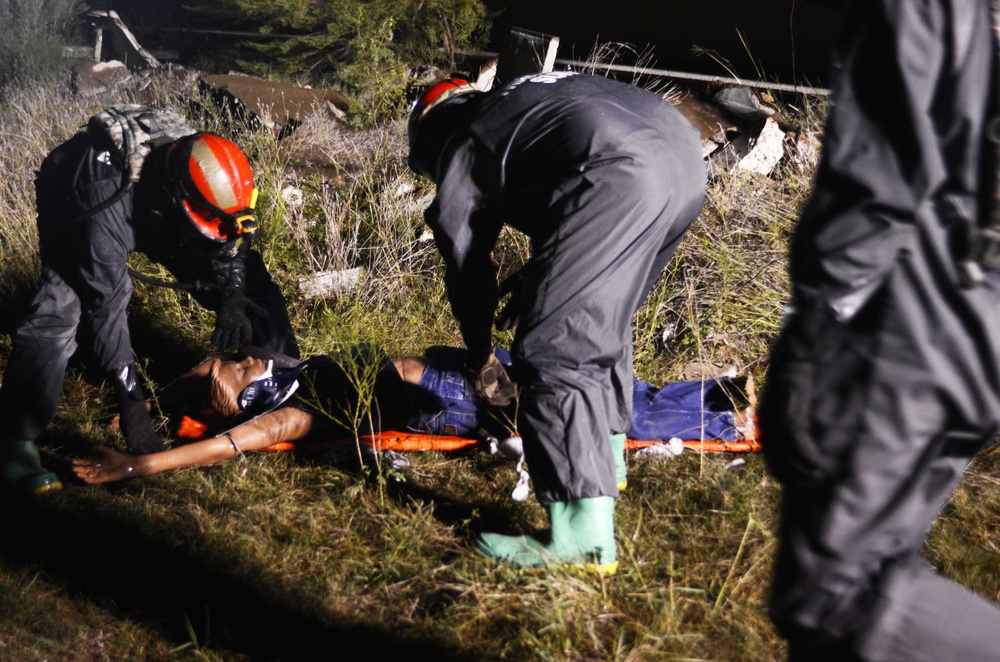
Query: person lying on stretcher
point(252, 402)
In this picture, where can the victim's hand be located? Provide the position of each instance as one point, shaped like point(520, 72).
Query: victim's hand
point(106, 466)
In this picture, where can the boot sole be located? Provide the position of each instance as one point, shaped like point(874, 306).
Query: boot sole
point(50, 487)
point(582, 568)
point(599, 569)
point(47, 486)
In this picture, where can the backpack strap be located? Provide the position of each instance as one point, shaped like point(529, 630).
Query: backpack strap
point(130, 132)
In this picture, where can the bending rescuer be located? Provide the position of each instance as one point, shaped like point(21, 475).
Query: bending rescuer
point(604, 178)
point(136, 179)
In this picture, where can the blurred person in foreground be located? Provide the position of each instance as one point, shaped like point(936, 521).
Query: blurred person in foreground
point(885, 380)
point(604, 178)
point(136, 179)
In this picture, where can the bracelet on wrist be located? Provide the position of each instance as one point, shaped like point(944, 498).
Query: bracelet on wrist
point(232, 442)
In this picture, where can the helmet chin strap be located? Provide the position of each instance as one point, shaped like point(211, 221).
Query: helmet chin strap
point(245, 223)
point(233, 225)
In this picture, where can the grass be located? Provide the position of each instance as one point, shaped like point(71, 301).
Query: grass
point(265, 556)
point(278, 556)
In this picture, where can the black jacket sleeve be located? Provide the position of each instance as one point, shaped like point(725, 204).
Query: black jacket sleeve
point(231, 269)
point(105, 287)
point(466, 227)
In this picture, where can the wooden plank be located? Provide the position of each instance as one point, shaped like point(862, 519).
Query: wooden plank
point(526, 52)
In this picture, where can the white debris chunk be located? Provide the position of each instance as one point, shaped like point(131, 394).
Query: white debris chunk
point(767, 151)
point(292, 195)
point(329, 283)
point(671, 448)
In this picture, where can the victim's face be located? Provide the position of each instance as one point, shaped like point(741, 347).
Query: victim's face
point(238, 375)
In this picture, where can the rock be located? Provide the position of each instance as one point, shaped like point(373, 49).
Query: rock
point(329, 283)
point(767, 150)
point(698, 370)
point(93, 78)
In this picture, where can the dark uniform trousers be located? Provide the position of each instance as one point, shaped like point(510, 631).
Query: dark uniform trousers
point(619, 224)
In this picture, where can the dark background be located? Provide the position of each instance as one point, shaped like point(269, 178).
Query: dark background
point(789, 40)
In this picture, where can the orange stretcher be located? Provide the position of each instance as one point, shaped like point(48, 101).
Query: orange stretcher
point(412, 441)
point(389, 440)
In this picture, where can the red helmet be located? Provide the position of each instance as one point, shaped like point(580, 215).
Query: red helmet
point(211, 178)
point(425, 145)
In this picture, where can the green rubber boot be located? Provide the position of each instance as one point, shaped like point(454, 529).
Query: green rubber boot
point(21, 469)
point(621, 470)
point(583, 535)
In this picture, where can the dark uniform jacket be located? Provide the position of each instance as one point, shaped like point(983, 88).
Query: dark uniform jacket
point(508, 164)
point(89, 223)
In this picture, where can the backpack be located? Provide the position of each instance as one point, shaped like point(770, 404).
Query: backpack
point(134, 131)
point(131, 132)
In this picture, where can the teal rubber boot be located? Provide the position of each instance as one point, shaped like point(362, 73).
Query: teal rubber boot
point(621, 470)
point(21, 469)
point(583, 535)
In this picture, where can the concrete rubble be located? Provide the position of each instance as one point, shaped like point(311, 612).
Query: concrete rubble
point(95, 78)
point(113, 40)
point(742, 130)
point(280, 107)
point(767, 150)
point(117, 58)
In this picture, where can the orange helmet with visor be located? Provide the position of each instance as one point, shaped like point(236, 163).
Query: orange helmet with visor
point(213, 183)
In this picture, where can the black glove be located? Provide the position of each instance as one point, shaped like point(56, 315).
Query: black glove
point(232, 322)
point(493, 384)
point(134, 421)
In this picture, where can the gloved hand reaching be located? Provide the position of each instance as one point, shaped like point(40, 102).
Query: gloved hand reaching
point(134, 421)
point(232, 322)
point(140, 438)
point(493, 384)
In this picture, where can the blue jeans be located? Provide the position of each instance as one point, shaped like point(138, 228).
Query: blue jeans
point(448, 403)
point(686, 410)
